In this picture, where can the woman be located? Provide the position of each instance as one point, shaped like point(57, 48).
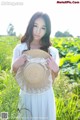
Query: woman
point(39, 106)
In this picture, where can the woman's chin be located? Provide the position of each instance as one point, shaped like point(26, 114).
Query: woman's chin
point(37, 38)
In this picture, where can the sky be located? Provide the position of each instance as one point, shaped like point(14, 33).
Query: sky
point(64, 16)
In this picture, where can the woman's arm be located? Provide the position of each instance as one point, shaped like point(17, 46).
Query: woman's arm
point(18, 62)
point(17, 59)
point(53, 66)
point(53, 61)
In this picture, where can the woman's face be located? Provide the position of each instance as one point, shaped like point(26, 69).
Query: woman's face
point(39, 29)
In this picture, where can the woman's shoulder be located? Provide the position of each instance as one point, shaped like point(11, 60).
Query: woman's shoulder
point(52, 49)
point(20, 46)
point(54, 53)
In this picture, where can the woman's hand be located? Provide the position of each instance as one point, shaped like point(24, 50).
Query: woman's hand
point(52, 65)
point(19, 62)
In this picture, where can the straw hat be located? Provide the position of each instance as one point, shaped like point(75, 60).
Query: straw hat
point(34, 75)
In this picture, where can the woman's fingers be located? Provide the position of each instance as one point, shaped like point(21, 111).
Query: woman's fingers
point(50, 59)
point(24, 57)
point(50, 62)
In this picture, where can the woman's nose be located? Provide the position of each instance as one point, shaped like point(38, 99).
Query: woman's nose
point(38, 31)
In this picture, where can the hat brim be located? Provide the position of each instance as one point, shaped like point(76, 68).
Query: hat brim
point(37, 53)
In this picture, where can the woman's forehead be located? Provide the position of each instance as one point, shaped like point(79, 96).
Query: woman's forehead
point(39, 21)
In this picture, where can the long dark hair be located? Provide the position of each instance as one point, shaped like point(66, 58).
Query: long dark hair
point(28, 37)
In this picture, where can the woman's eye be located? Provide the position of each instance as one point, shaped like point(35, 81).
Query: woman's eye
point(43, 28)
point(35, 25)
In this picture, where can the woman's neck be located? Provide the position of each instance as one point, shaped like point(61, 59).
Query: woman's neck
point(34, 42)
point(35, 45)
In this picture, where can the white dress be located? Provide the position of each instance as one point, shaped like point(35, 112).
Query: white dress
point(36, 106)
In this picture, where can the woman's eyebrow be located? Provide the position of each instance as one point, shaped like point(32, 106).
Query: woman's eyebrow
point(44, 25)
point(37, 24)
